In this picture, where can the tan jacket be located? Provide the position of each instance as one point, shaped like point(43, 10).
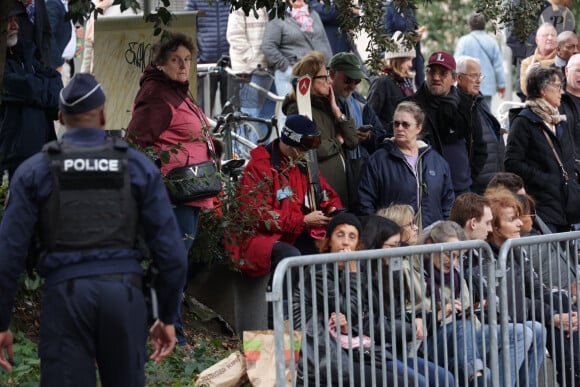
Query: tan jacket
point(538, 59)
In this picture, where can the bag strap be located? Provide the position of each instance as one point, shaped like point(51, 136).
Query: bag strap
point(484, 50)
point(564, 173)
point(418, 215)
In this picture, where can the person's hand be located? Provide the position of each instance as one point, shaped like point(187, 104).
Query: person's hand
point(501, 92)
point(163, 339)
point(6, 341)
point(316, 219)
point(419, 329)
point(564, 320)
point(363, 136)
point(450, 309)
point(420, 33)
point(333, 105)
point(341, 322)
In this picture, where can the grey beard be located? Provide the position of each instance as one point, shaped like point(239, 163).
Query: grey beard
point(11, 41)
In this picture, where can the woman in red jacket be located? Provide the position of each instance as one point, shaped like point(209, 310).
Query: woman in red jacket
point(167, 122)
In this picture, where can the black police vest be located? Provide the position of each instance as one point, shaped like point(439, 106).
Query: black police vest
point(91, 205)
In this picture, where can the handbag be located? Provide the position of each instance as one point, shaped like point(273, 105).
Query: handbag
point(195, 181)
point(572, 187)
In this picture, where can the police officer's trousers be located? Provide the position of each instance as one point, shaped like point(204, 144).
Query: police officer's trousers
point(93, 322)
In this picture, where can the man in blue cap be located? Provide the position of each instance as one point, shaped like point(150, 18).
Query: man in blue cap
point(88, 197)
point(274, 194)
point(30, 92)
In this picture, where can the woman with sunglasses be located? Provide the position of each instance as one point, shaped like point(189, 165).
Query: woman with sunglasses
point(405, 170)
point(335, 129)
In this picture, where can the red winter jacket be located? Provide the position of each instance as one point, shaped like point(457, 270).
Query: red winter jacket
point(165, 118)
point(274, 193)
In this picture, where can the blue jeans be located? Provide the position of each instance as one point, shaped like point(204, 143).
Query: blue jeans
point(441, 347)
point(187, 219)
point(521, 340)
point(427, 373)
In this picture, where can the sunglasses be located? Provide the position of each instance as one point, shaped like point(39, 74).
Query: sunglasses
point(310, 142)
point(349, 81)
point(404, 124)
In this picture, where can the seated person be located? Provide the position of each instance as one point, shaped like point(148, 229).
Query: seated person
point(552, 260)
point(335, 285)
point(529, 299)
point(404, 216)
point(436, 283)
point(274, 200)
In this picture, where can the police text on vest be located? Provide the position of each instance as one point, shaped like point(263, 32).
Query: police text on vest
point(86, 165)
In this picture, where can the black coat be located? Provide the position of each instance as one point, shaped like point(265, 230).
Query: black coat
point(453, 118)
point(529, 155)
point(495, 145)
point(568, 107)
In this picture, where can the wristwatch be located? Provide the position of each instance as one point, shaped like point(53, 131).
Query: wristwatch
point(342, 118)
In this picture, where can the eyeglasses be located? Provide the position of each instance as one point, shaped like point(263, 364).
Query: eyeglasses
point(547, 35)
point(325, 77)
point(348, 80)
point(474, 76)
point(404, 124)
point(558, 85)
point(410, 225)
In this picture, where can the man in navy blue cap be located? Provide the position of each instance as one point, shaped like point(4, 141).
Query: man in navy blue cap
point(87, 197)
point(274, 194)
point(30, 93)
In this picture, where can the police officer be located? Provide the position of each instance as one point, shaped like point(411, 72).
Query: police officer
point(88, 197)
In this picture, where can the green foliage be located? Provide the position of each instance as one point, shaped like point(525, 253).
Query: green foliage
point(26, 368)
point(181, 367)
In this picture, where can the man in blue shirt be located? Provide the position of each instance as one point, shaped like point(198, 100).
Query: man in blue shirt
point(89, 197)
point(480, 45)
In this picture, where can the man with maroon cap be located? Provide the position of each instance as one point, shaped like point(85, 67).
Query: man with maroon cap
point(452, 126)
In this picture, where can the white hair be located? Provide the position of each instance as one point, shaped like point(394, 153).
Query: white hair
point(461, 63)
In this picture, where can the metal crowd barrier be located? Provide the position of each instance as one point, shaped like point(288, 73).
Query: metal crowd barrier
point(383, 303)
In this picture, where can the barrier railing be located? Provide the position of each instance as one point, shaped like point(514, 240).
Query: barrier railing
point(384, 299)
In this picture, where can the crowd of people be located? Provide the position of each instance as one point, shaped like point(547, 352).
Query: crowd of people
point(418, 162)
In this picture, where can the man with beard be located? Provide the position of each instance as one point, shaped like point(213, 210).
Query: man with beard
point(451, 127)
point(30, 88)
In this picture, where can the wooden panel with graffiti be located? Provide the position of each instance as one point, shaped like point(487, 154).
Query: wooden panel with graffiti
point(122, 50)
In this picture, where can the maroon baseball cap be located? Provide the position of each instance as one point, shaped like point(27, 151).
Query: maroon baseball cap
point(442, 58)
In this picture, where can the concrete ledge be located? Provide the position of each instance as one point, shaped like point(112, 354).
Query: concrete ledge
point(241, 301)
